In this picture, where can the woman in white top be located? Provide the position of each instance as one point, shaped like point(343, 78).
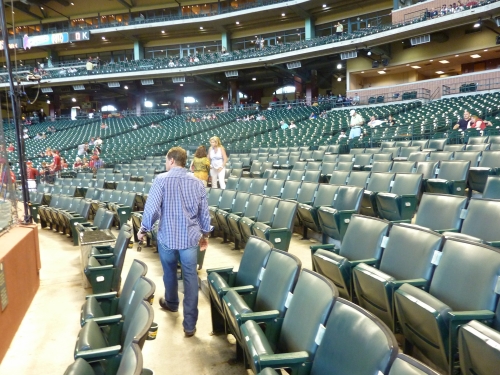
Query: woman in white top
point(218, 159)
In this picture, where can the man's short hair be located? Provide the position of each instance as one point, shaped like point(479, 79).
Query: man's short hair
point(179, 155)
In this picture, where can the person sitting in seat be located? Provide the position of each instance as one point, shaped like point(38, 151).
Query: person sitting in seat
point(284, 125)
point(477, 123)
point(313, 116)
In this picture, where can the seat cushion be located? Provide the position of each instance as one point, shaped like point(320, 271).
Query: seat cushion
point(257, 338)
point(234, 306)
point(90, 337)
point(91, 309)
point(79, 367)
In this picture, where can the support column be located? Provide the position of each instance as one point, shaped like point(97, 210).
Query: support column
point(298, 88)
point(138, 105)
point(310, 30)
point(233, 95)
point(312, 88)
point(179, 98)
point(138, 50)
point(225, 102)
point(226, 40)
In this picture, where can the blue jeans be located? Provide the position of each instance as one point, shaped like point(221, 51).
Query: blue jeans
point(188, 259)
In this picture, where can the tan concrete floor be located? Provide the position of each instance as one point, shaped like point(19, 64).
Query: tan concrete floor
point(45, 341)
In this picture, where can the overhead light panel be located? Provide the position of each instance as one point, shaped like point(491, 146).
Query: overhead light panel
point(179, 79)
point(475, 56)
point(477, 24)
point(348, 55)
point(232, 73)
point(439, 72)
point(381, 72)
point(369, 52)
point(113, 84)
point(415, 67)
point(293, 65)
point(147, 82)
point(444, 61)
point(46, 90)
point(78, 87)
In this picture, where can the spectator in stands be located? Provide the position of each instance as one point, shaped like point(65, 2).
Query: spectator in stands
point(463, 123)
point(477, 123)
point(390, 121)
point(355, 99)
point(11, 148)
point(341, 135)
point(313, 116)
point(201, 165)
point(92, 142)
point(289, 106)
point(78, 163)
point(55, 166)
point(374, 122)
point(38, 136)
point(283, 125)
point(96, 163)
point(356, 122)
point(104, 126)
point(45, 172)
point(64, 163)
point(218, 159)
point(292, 125)
point(48, 152)
point(82, 149)
point(98, 144)
point(339, 29)
point(89, 66)
point(31, 173)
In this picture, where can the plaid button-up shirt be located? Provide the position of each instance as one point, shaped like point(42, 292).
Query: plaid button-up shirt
point(179, 201)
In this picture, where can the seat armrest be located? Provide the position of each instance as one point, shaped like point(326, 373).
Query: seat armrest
point(102, 296)
point(329, 247)
point(239, 289)
point(220, 270)
point(466, 316)
point(100, 268)
point(440, 231)
point(260, 317)
point(103, 256)
point(283, 359)
point(494, 243)
point(99, 354)
point(107, 320)
point(417, 283)
point(370, 262)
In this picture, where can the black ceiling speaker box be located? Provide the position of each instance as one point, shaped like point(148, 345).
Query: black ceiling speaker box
point(375, 64)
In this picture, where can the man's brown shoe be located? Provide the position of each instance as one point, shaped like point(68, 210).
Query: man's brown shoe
point(164, 306)
point(190, 333)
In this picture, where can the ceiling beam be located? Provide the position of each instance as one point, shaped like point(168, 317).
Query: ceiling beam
point(25, 9)
point(124, 3)
point(304, 14)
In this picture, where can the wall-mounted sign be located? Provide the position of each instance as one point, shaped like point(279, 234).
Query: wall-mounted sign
point(44, 40)
point(76, 36)
point(13, 43)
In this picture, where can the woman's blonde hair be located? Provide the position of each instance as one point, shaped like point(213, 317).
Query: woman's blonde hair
point(217, 141)
point(474, 118)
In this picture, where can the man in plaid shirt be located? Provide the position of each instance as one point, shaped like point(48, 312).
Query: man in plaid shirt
point(179, 201)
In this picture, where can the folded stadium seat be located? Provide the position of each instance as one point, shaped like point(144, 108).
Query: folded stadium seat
point(339, 177)
point(349, 331)
point(111, 339)
point(333, 149)
point(79, 215)
point(107, 307)
point(403, 167)
point(128, 363)
point(306, 155)
point(489, 165)
point(478, 347)
point(257, 186)
point(106, 304)
point(454, 148)
point(244, 184)
point(43, 210)
point(354, 151)
point(327, 169)
point(418, 156)
point(232, 183)
point(36, 199)
point(463, 288)
point(292, 159)
point(264, 215)
point(274, 188)
point(359, 178)
point(237, 206)
point(106, 196)
point(337, 263)
point(308, 211)
point(492, 188)
point(269, 302)
point(268, 173)
point(282, 159)
point(427, 169)
point(318, 155)
point(379, 166)
point(311, 176)
point(441, 155)
point(441, 212)
point(225, 203)
point(344, 166)
point(255, 168)
point(406, 151)
point(477, 222)
point(477, 140)
point(495, 147)
point(213, 196)
point(379, 182)
point(436, 144)
point(402, 144)
point(103, 219)
point(409, 257)
point(406, 365)
point(422, 143)
point(477, 147)
point(400, 203)
point(346, 157)
point(451, 178)
point(473, 156)
point(335, 220)
point(103, 270)
point(265, 165)
point(220, 280)
point(251, 210)
point(294, 340)
point(388, 144)
point(296, 174)
point(123, 208)
point(282, 174)
point(373, 150)
point(362, 160)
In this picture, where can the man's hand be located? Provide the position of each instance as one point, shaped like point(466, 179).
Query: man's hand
point(141, 235)
point(203, 243)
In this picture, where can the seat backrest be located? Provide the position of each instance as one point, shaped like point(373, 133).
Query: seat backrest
point(232, 183)
point(311, 176)
point(351, 330)
point(440, 211)
point(437, 144)
point(313, 166)
point(380, 182)
point(466, 276)
point(348, 198)
point(406, 365)
point(278, 280)
point(282, 174)
point(325, 195)
point(354, 151)
point(254, 259)
point(391, 150)
point(99, 216)
point(477, 140)
point(344, 166)
point(307, 192)
point(441, 155)
point(143, 290)
point(363, 159)
point(106, 221)
point(381, 166)
point(427, 169)
point(137, 269)
point(359, 178)
point(490, 159)
point(454, 148)
point(407, 184)
point(334, 149)
point(409, 252)
point(478, 147)
point(290, 190)
point(285, 215)
point(406, 151)
point(422, 143)
point(339, 177)
point(311, 303)
point(252, 206)
point(327, 168)
point(481, 213)
point(240, 201)
point(267, 209)
point(268, 173)
point(492, 188)
point(274, 187)
point(136, 325)
point(346, 157)
point(226, 199)
point(418, 156)
point(456, 170)
point(330, 158)
point(257, 186)
point(300, 165)
point(382, 156)
point(121, 245)
point(297, 174)
point(244, 184)
point(403, 167)
point(402, 144)
point(367, 246)
point(387, 144)
point(472, 156)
